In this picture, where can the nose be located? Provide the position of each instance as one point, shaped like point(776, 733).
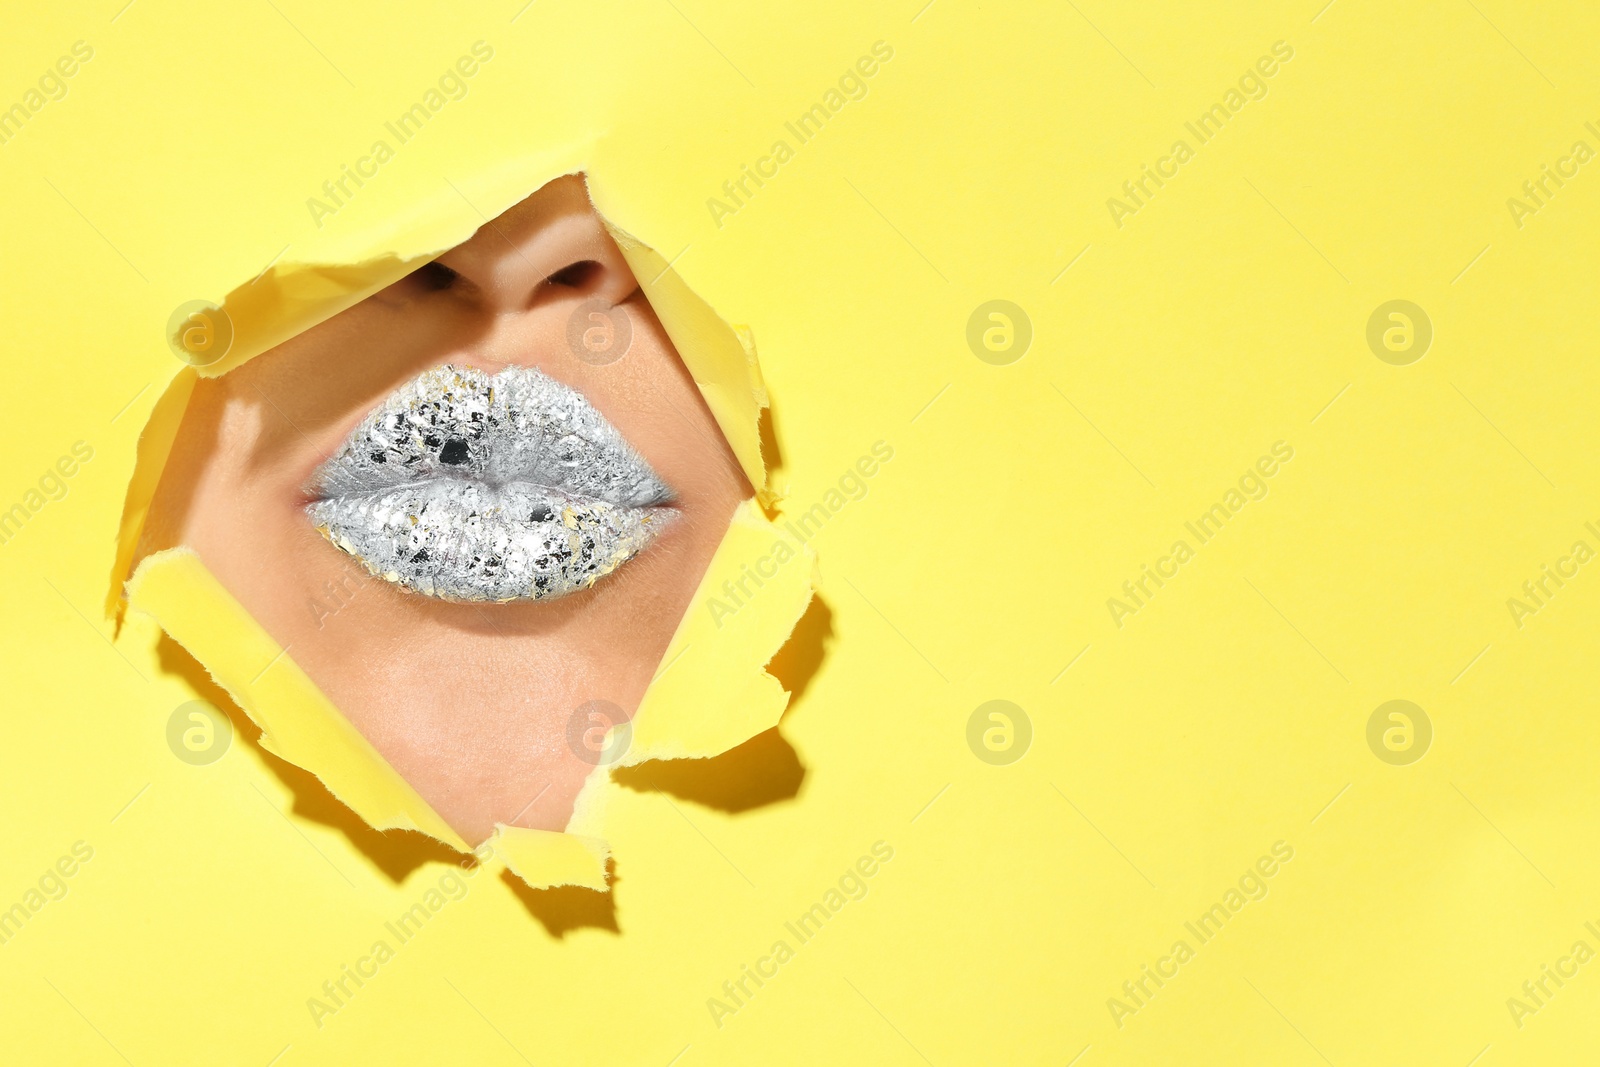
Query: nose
point(550, 247)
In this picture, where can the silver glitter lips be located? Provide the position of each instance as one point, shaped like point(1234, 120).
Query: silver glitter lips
point(468, 486)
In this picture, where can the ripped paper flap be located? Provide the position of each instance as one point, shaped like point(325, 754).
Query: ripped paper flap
point(298, 723)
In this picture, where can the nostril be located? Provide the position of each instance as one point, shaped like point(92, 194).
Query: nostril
point(582, 275)
point(435, 276)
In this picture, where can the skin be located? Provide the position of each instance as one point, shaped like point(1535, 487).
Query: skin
point(469, 702)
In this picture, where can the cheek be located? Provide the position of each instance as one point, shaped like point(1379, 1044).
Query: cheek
point(233, 495)
point(247, 487)
point(675, 429)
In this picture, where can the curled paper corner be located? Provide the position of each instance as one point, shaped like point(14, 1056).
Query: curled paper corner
point(712, 691)
point(546, 859)
point(578, 856)
point(298, 723)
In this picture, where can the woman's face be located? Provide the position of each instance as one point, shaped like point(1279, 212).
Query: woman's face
point(590, 490)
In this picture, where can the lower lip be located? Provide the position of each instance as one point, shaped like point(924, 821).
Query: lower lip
point(466, 541)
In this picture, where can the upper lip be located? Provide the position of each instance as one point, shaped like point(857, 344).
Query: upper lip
point(517, 426)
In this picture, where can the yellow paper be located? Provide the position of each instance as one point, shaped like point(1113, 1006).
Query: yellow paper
point(704, 699)
point(297, 722)
point(545, 859)
point(722, 359)
point(1222, 719)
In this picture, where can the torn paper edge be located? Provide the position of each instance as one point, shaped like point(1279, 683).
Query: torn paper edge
point(720, 356)
point(298, 723)
point(720, 694)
